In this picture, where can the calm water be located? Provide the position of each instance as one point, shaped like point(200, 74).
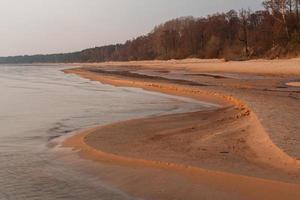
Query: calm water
point(39, 104)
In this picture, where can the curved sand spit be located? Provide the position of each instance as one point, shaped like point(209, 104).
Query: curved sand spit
point(255, 146)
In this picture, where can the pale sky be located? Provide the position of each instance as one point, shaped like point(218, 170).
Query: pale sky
point(55, 26)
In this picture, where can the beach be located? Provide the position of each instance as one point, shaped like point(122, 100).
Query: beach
point(245, 147)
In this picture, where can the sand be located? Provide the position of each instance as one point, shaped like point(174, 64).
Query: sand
point(230, 151)
point(271, 67)
point(295, 84)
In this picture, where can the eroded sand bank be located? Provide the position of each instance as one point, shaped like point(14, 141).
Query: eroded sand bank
point(231, 139)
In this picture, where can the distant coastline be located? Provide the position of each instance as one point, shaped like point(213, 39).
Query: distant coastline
point(271, 33)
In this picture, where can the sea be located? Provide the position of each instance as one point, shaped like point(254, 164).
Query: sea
point(40, 105)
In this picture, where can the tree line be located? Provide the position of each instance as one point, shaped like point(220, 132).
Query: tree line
point(235, 35)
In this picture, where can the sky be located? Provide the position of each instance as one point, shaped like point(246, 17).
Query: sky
point(56, 26)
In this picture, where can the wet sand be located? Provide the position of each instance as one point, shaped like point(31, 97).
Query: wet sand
point(247, 144)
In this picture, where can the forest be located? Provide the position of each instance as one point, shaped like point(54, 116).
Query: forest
point(272, 32)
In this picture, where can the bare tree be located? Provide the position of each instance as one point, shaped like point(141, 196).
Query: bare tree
point(290, 5)
point(244, 15)
point(278, 7)
point(297, 2)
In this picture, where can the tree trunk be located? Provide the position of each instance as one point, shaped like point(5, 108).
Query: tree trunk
point(244, 15)
point(290, 6)
point(283, 14)
point(297, 11)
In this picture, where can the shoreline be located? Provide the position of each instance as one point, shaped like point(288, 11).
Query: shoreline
point(224, 100)
point(256, 138)
point(241, 185)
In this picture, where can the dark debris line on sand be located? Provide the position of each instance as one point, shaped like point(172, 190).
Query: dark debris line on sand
point(142, 76)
